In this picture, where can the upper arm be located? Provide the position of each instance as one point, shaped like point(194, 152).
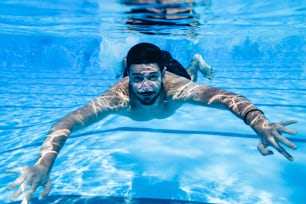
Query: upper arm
point(112, 100)
point(200, 94)
point(181, 89)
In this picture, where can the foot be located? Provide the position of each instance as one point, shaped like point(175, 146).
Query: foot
point(203, 67)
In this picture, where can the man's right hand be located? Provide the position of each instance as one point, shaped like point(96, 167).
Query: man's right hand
point(32, 176)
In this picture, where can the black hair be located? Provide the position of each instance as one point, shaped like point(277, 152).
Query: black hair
point(143, 53)
point(173, 65)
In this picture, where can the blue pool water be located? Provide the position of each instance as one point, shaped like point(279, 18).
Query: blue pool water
point(55, 57)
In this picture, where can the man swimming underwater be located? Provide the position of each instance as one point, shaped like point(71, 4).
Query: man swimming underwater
point(148, 91)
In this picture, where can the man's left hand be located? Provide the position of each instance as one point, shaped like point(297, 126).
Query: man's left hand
point(271, 135)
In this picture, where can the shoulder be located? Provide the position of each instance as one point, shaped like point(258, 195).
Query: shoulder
point(119, 88)
point(175, 85)
point(182, 89)
point(115, 97)
point(172, 81)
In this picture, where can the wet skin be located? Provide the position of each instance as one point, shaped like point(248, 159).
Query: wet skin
point(146, 82)
point(145, 94)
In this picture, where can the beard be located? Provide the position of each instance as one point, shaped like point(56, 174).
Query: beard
point(147, 99)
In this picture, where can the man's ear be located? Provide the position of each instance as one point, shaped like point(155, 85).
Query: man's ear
point(164, 71)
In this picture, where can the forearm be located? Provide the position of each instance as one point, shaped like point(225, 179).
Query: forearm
point(256, 119)
point(237, 104)
point(270, 134)
point(59, 133)
point(89, 114)
point(244, 109)
point(51, 147)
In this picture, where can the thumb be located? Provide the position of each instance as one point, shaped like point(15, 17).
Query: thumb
point(47, 190)
point(263, 150)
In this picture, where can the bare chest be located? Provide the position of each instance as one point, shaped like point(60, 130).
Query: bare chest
point(151, 112)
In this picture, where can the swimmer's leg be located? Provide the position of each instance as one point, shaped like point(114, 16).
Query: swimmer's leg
point(198, 64)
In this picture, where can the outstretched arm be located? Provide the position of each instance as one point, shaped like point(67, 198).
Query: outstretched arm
point(270, 133)
point(38, 174)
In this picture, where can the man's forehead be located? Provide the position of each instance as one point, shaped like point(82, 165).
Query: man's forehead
point(149, 66)
point(140, 68)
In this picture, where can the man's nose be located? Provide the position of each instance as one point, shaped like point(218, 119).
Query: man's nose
point(145, 85)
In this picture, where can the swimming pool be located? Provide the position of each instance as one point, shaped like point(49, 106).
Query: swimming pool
point(56, 57)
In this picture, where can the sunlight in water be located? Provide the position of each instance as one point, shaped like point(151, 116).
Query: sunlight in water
point(55, 58)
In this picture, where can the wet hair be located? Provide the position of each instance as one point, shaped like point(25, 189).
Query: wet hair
point(173, 65)
point(143, 53)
